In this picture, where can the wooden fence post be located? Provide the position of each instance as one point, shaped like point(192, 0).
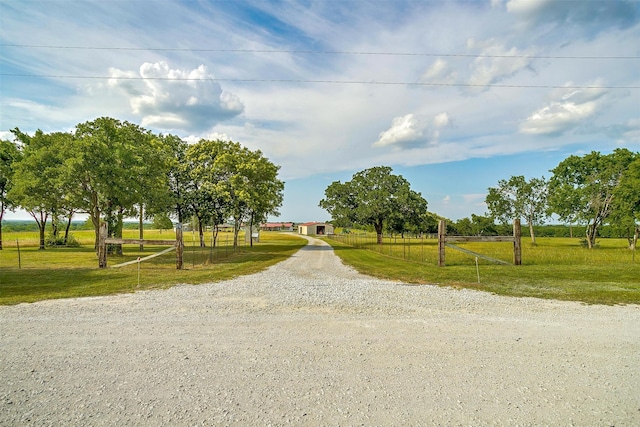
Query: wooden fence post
point(442, 233)
point(517, 242)
point(102, 246)
point(179, 246)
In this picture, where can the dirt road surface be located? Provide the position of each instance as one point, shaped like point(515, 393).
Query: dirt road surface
point(311, 342)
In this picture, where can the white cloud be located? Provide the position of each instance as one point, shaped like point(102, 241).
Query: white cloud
point(567, 109)
point(495, 62)
point(168, 98)
point(411, 129)
point(407, 128)
point(446, 200)
point(212, 136)
point(6, 136)
point(439, 73)
point(526, 6)
point(441, 120)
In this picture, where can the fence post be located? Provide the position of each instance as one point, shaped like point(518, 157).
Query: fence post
point(517, 242)
point(442, 233)
point(102, 245)
point(179, 246)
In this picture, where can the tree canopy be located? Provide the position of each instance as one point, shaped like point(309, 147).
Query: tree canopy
point(584, 188)
point(9, 158)
point(519, 198)
point(372, 197)
point(111, 169)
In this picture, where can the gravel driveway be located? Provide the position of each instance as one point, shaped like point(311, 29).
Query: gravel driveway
point(311, 342)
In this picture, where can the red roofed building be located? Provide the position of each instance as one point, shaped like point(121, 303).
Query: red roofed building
point(277, 226)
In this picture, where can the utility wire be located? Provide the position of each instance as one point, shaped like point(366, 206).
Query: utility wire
point(316, 52)
point(344, 82)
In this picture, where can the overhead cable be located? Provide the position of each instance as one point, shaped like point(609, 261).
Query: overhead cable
point(317, 52)
point(343, 82)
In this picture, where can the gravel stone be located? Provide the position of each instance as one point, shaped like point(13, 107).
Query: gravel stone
point(310, 341)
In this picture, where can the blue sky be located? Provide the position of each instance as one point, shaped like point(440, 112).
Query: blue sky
point(454, 95)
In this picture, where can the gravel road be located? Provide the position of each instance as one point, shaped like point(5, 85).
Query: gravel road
point(312, 342)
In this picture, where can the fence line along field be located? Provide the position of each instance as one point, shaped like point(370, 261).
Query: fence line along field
point(557, 268)
point(29, 274)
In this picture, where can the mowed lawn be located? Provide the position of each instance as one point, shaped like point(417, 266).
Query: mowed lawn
point(30, 275)
point(555, 268)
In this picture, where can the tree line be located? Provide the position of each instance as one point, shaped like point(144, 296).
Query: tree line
point(593, 190)
point(112, 169)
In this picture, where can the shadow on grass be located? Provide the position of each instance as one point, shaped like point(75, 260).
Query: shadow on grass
point(35, 284)
point(56, 278)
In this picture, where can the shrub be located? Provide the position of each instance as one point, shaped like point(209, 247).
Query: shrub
point(53, 241)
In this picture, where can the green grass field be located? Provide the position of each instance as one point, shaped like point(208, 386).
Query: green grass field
point(555, 268)
point(33, 275)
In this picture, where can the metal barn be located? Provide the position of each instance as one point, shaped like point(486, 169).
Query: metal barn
point(315, 228)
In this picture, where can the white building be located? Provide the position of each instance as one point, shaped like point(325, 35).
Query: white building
point(315, 228)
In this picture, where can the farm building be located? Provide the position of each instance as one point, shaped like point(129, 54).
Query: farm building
point(277, 226)
point(309, 228)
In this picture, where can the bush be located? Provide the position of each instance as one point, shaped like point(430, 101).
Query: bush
point(52, 241)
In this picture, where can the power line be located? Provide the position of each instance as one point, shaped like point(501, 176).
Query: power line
point(316, 52)
point(344, 82)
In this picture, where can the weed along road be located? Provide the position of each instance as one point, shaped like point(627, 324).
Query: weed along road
point(311, 342)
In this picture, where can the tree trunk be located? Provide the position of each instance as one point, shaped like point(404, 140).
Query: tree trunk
point(532, 233)
point(141, 226)
point(251, 231)
point(118, 230)
point(42, 223)
point(1, 215)
point(41, 246)
point(214, 234)
point(201, 233)
point(94, 214)
point(591, 234)
point(378, 227)
point(66, 230)
point(54, 226)
point(236, 231)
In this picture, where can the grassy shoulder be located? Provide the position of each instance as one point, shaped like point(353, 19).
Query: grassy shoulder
point(73, 272)
point(555, 268)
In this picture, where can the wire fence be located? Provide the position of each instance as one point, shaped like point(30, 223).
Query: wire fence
point(423, 248)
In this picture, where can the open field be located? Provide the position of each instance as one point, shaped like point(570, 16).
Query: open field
point(73, 272)
point(556, 268)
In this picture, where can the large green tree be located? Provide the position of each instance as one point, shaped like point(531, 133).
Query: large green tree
point(116, 166)
point(583, 188)
point(251, 185)
point(39, 184)
point(264, 192)
point(205, 190)
point(372, 197)
point(626, 203)
point(179, 180)
point(519, 198)
point(412, 214)
point(9, 157)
